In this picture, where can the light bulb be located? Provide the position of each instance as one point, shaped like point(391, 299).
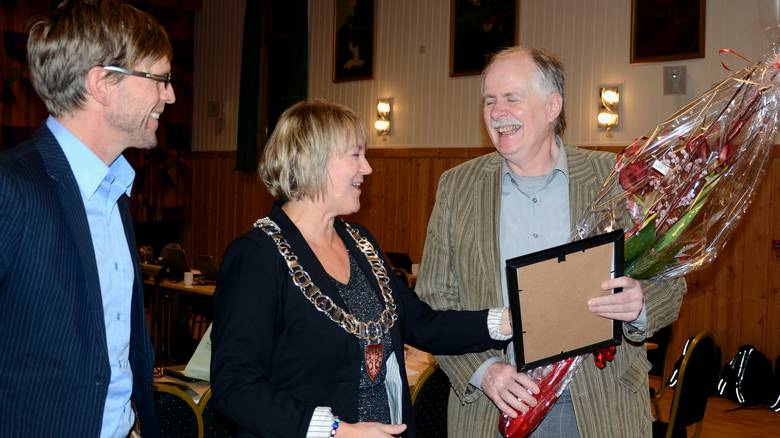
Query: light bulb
point(607, 118)
point(382, 125)
point(610, 96)
point(383, 107)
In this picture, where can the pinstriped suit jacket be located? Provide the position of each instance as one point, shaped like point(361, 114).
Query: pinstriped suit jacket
point(54, 369)
point(460, 270)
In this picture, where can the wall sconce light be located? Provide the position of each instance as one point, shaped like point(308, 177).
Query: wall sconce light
point(609, 114)
point(384, 111)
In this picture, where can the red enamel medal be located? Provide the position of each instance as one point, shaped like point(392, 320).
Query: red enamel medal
point(374, 356)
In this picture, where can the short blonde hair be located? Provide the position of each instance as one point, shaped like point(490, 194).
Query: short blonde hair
point(549, 75)
point(81, 34)
point(295, 159)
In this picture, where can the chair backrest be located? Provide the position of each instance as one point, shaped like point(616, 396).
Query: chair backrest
point(177, 413)
point(215, 425)
point(403, 276)
point(696, 383)
point(660, 356)
point(429, 398)
point(400, 260)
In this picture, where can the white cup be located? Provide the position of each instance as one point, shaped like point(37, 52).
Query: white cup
point(188, 278)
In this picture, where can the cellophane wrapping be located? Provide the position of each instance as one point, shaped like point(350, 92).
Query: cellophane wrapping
point(679, 193)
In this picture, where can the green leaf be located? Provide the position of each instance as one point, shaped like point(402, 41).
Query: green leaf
point(640, 241)
point(675, 230)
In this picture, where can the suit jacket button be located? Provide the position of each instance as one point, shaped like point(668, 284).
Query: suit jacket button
point(99, 379)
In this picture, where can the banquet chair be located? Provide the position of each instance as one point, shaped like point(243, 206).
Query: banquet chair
point(429, 399)
point(659, 358)
point(403, 276)
point(696, 383)
point(176, 412)
point(215, 424)
point(400, 260)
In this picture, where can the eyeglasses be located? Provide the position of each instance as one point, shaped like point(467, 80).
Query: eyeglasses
point(164, 79)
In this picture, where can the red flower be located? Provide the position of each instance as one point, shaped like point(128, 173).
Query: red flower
point(632, 177)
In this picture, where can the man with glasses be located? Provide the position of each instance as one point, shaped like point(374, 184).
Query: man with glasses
point(75, 355)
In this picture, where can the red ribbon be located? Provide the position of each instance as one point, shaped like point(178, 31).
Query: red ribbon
point(735, 53)
point(601, 357)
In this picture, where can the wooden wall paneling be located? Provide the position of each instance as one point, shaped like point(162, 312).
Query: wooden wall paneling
point(737, 298)
point(773, 265)
point(755, 263)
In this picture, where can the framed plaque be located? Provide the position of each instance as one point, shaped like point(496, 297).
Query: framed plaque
point(548, 294)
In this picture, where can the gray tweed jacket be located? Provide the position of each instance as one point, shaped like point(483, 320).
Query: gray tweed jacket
point(460, 270)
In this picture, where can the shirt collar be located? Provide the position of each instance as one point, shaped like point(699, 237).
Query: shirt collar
point(561, 164)
point(87, 168)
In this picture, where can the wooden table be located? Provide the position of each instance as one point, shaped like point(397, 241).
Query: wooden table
point(416, 362)
point(164, 296)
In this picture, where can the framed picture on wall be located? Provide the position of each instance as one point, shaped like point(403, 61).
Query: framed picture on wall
point(353, 40)
point(663, 30)
point(477, 30)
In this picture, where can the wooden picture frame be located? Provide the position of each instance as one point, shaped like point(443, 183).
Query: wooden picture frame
point(479, 31)
point(667, 31)
point(353, 40)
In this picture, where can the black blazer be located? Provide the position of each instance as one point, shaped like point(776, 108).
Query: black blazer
point(275, 357)
point(54, 369)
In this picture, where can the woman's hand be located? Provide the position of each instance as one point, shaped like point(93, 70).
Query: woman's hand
point(369, 430)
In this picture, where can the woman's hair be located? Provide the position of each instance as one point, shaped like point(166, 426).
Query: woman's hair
point(295, 159)
point(81, 34)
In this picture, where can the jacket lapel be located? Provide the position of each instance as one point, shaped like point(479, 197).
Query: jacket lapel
point(67, 190)
point(583, 186)
point(137, 299)
point(487, 225)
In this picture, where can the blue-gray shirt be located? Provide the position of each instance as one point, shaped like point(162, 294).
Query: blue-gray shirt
point(100, 187)
point(534, 215)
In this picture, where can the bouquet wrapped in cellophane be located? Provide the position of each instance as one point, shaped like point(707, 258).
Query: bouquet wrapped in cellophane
point(678, 193)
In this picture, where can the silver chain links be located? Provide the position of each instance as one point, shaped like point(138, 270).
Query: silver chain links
point(371, 330)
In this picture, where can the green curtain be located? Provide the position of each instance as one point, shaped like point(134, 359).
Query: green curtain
point(249, 95)
point(283, 34)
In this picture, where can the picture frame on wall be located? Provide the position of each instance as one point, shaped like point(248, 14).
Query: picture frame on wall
point(667, 31)
point(478, 30)
point(353, 40)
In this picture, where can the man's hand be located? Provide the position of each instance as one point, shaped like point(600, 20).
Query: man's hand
point(623, 306)
point(510, 391)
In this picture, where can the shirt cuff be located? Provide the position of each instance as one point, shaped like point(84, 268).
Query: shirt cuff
point(640, 323)
point(476, 378)
point(494, 324)
point(321, 423)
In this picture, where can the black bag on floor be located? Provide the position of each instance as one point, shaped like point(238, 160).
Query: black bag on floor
point(746, 379)
point(774, 401)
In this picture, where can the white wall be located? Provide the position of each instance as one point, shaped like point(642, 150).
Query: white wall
point(591, 37)
point(219, 30)
point(433, 110)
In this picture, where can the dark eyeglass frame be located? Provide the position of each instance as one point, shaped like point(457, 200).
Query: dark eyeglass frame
point(163, 79)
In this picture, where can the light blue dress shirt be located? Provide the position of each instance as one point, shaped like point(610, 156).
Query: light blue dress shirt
point(100, 187)
point(534, 215)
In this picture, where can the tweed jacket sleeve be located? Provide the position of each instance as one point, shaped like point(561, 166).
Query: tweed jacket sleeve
point(662, 297)
point(460, 257)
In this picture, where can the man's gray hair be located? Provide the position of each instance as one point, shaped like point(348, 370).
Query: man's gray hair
point(550, 76)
